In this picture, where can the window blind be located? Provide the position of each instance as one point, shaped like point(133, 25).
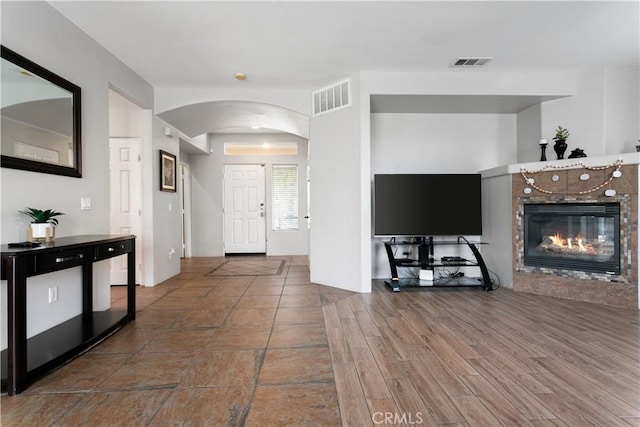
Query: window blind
point(284, 197)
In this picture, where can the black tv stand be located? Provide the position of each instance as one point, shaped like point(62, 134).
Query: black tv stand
point(426, 261)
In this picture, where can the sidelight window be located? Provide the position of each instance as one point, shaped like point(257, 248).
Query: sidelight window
point(284, 197)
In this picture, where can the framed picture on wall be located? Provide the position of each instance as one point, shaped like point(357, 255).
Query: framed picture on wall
point(167, 172)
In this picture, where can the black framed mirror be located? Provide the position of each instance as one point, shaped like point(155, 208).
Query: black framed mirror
point(41, 119)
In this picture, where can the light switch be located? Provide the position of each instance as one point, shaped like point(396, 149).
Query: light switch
point(85, 203)
point(170, 207)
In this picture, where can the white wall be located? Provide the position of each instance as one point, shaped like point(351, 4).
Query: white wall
point(528, 125)
point(441, 143)
point(496, 227)
point(582, 114)
point(201, 142)
point(166, 209)
point(622, 109)
point(437, 143)
point(38, 32)
point(125, 118)
point(603, 116)
point(336, 197)
point(207, 190)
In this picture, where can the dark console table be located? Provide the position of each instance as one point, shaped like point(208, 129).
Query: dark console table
point(26, 360)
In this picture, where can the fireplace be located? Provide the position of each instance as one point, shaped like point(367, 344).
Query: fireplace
point(573, 236)
point(608, 223)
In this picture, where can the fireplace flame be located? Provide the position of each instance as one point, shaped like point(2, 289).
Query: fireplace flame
point(582, 247)
point(558, 240)
point(576, 244)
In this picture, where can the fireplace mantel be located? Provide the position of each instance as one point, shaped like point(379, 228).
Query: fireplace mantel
point(566, 164)
point(505, 187)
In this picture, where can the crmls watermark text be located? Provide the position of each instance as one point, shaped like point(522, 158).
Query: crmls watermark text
point(397, 418)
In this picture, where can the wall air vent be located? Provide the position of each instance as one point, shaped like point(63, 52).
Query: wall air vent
point(331, 98)
point(466, 62)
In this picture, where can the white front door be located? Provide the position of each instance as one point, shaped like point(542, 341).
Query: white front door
point(125, 200)
point(244, 209)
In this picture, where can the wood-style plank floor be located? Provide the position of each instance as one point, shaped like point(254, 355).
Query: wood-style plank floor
point(274, 349)
point(467, 357)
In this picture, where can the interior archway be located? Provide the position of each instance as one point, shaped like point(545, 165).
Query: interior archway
point(229, 116)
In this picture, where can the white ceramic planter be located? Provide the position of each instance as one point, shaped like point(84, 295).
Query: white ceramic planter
point(42, 230)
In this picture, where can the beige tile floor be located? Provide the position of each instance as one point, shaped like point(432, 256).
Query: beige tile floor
point(204, 350)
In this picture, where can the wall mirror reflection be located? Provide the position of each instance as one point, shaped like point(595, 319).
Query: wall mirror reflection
point(40, 118)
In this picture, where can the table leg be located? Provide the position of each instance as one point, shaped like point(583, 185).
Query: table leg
point(16, 325)
point(131, 283)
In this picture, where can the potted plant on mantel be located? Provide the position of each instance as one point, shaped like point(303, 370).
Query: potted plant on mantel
point(561, 137)
point(43, 223)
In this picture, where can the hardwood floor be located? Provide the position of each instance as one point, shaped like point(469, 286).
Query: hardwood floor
point(272, 350)
point(476, 358)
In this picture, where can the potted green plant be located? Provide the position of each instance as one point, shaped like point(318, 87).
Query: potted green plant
point(43, 222)
point(560, 146)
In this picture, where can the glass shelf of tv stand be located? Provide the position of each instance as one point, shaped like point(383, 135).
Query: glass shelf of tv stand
point(404, 262)
point(413, 241)
point(452, 282)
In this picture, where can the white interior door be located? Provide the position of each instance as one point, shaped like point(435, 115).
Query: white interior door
point(244, 209)
point(125, 200)
point(185, 180)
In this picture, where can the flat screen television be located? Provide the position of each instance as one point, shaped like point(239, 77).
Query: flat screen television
point(427, 205)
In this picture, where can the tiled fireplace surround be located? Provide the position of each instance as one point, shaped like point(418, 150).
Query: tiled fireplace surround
point(618, 290)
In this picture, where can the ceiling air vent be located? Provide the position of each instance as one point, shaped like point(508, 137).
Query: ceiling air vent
point(331, 98)
point(477, 61)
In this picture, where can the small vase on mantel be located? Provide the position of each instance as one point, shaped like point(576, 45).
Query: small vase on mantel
point(560, 139)
point(560, 147)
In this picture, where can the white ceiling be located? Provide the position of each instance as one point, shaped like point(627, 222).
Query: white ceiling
point(309, 44)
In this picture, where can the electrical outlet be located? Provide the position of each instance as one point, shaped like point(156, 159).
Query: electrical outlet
point(53, 294)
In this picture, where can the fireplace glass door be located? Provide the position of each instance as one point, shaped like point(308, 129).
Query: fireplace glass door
point(573, 236)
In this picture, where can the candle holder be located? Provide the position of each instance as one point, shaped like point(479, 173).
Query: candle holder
point(543, 149)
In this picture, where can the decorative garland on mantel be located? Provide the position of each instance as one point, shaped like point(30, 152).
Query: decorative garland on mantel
point(615, 174)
